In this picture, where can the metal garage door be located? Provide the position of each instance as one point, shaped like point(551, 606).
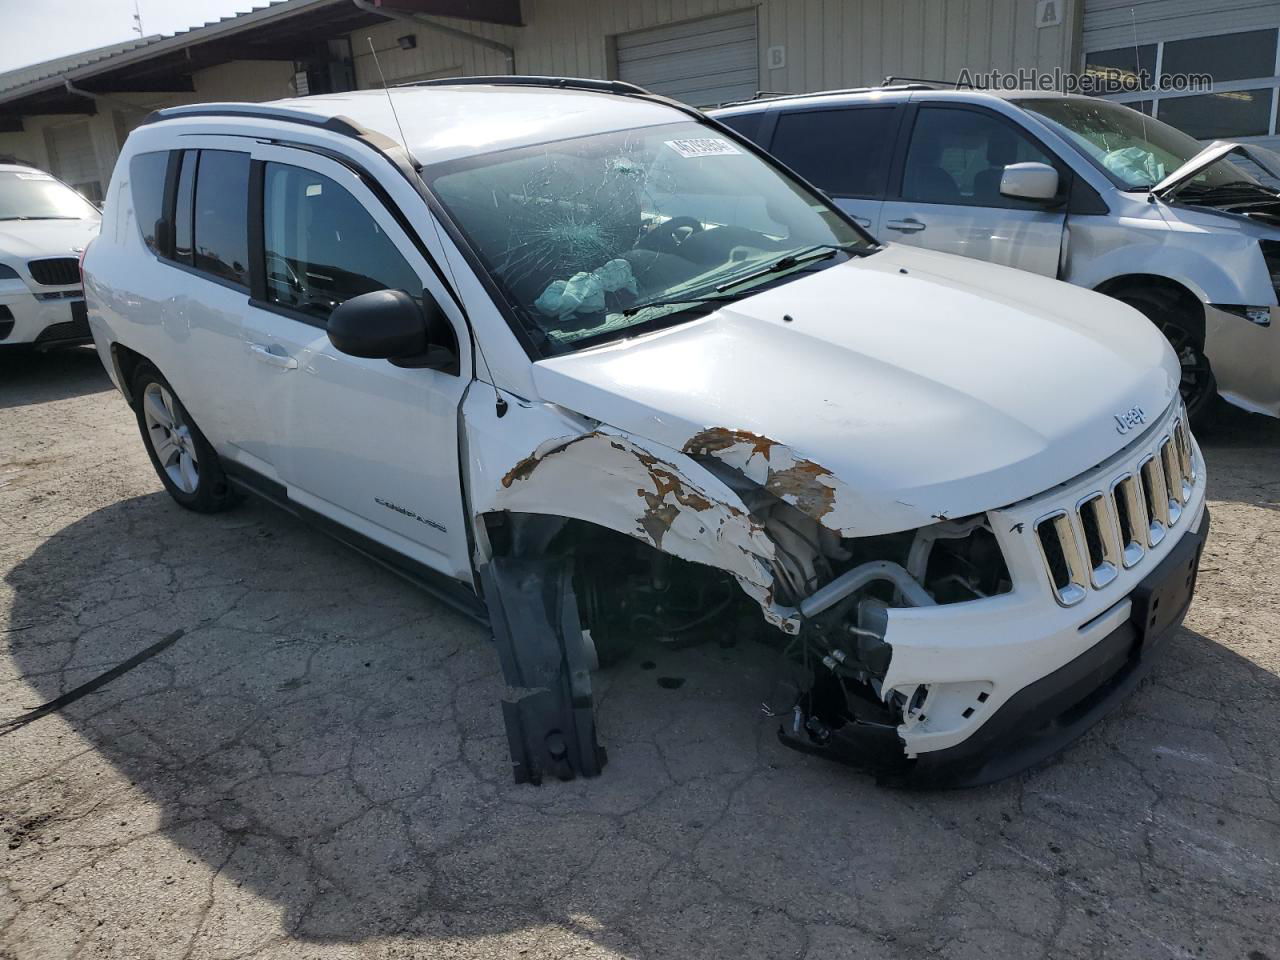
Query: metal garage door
point(1120, 23)
point(73, 159)
point(702, 62)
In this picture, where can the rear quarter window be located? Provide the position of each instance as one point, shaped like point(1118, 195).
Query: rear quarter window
point(146, 182)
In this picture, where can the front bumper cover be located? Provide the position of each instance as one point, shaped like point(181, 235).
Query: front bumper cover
point(1050, 713)
point(58, 321)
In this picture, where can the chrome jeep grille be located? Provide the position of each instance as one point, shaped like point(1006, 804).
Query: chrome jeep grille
point(1085, 546)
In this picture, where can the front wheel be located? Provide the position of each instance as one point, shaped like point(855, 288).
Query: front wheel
point(1198, 386)
point(183, 459)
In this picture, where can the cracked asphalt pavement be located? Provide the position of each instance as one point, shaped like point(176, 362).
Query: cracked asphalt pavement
point(317, 768)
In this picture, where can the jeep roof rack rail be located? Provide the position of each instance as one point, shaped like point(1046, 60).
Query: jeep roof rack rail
point(260, 111)
point(620, 87)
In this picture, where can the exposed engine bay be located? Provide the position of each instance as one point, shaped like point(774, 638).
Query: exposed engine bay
point(617, 592)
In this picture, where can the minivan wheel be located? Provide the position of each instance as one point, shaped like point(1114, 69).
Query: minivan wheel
point(1198, 387)
point(184, 461)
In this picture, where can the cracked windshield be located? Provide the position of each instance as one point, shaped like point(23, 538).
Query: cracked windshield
point(598, 237)
point(1137, 151)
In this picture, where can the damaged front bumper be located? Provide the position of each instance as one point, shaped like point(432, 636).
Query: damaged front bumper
point(1044, 716)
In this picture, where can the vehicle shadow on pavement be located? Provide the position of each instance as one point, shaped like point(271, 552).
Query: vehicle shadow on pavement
point(28, 377)
point(1242, 455)
point(321, 756)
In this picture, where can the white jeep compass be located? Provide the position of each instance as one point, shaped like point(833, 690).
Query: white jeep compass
point(593, 368)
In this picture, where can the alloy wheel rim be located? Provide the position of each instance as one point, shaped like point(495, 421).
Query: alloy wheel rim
point(1195, 366)
point(170, 438)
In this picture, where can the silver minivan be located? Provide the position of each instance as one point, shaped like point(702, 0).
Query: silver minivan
point(1072, 187)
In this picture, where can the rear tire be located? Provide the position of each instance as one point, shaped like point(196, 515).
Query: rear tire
point(1198, 387)
point(183, 459)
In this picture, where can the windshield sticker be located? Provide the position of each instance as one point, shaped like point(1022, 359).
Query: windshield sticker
point(703, 147)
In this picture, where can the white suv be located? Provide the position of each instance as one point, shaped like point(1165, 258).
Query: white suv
point(594, 369)
point(1072, 187)
point(44, 227)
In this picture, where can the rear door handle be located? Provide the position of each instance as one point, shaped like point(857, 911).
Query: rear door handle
point(862, 221)
point(909, 225)
point(267, 355)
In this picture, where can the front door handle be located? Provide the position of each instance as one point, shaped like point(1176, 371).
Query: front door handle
point(264, 353)
point(862, 221)
point(909, 225)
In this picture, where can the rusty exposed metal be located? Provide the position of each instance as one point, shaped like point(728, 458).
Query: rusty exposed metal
point(806, 485)
point(654, 499)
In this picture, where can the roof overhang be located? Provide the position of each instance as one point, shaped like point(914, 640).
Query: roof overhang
point(288, 30)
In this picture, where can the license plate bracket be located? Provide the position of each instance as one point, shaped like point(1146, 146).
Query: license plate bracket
point(1161, 600)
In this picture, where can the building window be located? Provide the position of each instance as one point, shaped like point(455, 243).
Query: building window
point(1123, 70)
point(1226, 57)
point(1220, 116)
point(1242, 67)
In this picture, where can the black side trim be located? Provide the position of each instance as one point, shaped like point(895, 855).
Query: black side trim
point(548, 711)
point(257, 246)
point(89, 686)
point(454, 593)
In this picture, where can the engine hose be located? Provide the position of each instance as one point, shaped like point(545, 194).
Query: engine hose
point(854, 580)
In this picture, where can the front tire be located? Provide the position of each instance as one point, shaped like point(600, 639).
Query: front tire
point(1199, 387)
point(183, 459)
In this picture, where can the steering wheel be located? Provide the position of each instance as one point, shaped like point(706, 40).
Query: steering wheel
point(662, 238)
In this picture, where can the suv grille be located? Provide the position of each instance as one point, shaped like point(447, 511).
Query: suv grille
point(56, 271)
point(1085, 547)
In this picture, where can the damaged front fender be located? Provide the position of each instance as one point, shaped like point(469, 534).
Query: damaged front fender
point(624, 483)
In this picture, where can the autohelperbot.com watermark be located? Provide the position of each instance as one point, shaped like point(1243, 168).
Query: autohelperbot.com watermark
point(1094, 81)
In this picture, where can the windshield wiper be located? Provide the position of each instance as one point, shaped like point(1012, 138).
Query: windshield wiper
point(819, 251)
point(632, 310)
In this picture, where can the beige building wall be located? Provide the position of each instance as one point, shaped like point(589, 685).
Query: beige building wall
point(249, 80)
point(828, 43)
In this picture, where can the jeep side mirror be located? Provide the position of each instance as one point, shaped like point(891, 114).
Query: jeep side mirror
point(391, 325)
point(1029, 181)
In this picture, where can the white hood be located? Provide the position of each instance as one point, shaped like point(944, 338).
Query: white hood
point(22, 240)
point(928, 385)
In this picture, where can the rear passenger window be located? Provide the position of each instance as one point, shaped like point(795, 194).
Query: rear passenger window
point(322, 247)
point(222, 215)
point(843, 152)
point(146, 180)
